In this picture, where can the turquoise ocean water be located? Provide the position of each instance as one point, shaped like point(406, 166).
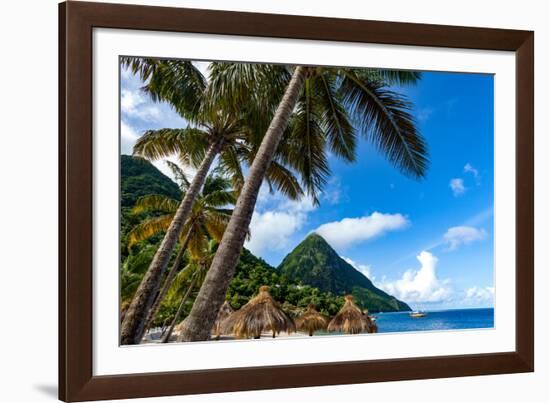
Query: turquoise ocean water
point(436, 320)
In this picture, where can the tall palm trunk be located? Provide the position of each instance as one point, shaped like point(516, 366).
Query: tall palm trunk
point(199, 323)
point(133, 326)
point(167, 283)
point(167, 335)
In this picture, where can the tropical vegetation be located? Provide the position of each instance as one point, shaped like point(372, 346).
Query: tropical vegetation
point(321, 107)
point(294, 291)
point(251, 124)
point(212, 132)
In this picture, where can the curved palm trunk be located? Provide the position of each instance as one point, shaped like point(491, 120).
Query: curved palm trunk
point(167, 335)
point(167, 283)
point(133, 326)
point(199, 323)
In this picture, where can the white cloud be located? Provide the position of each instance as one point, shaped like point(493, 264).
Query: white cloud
point(457, 186)
point(268, 200)
point(128, 137)
point(479, 296)
point(363, 268)
point(134, 104)
point(468, 168)
point(349, 231)
point(130, 100)
point(273, 229)
point(463, 235)
point(423, 114)
point(127, 132)
point(333, 192)
point(420, 286)
point(276, 220)
point(126, 73)
point(304, 205)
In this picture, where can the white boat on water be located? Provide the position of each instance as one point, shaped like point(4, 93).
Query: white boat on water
point(417, 314)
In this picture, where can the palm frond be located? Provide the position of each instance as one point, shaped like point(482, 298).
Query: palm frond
point(189, 144)
point(177, 82)
point(155, 203)
point(149, 228)
point(284, 180)
point(179, 175)
point(304, 146)
point(180, 283)
point(233, 86)
point(219, 198)
point(142, 66)
point(384, 118)
point(198, 242)
point(389, 77)
point(216, 183)
point(230, 165)
point(216, 223)
point(339, 130)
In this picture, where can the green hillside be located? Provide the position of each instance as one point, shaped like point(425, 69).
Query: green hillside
point(138, 177)
point(315, 263)
point(253, 272)
point(312, 273)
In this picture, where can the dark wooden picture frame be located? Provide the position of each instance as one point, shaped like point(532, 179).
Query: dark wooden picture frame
point(76, 23)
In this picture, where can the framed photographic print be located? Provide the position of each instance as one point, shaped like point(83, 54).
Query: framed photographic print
point(253, 201)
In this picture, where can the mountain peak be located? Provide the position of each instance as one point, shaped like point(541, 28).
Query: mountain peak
point(316, 263)
point(316, 238)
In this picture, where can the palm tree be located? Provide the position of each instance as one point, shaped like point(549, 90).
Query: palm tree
point(211, 133)
point(194, 274)
point(322, 99)
point(208, 219)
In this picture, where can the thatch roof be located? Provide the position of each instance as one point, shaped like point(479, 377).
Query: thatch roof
point(178, 328)
point(372, 327)
point(311, 321)
point(225, 312)
point(260, 313)
point(349, 319)
point(292, 310)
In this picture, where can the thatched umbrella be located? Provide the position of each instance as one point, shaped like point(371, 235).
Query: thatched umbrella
point(372, 327)
point(178, 328)
point(311, 321)
point(349, 319)
point(225, 312)
point(292, 310)
point(260, 313)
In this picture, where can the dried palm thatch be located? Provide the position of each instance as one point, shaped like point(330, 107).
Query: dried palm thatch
point(292, 310)
point(311, 321)
point(260, 313)
point(178, 328)
point(372, 327)
point(225, 312)
point(349, 319)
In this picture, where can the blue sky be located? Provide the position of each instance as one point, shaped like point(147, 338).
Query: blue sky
point(428, 242)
